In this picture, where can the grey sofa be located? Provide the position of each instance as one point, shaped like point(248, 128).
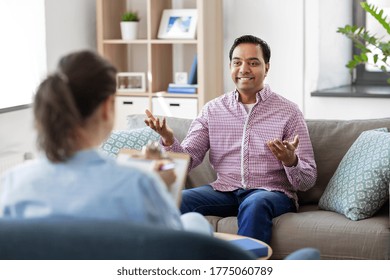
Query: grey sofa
point(333, 234)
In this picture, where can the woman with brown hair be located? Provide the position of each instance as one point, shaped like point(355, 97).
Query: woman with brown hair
point(74, 113)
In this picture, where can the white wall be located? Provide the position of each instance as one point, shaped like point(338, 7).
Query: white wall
point(280, 24)
point(70, 26)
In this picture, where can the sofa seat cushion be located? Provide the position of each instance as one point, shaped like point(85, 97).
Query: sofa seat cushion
point(359, 187)
point(333, 234)
point(226, 225)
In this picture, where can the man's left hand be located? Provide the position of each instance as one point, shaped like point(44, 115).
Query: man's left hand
point(285, 150)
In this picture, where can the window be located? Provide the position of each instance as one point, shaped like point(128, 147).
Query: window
point(366, 74)
point(22, 51)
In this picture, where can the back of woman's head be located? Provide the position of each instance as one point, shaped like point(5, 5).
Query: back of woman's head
point(65, 99)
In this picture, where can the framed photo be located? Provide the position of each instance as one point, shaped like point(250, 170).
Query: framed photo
point(130, 82)
point(178, 24)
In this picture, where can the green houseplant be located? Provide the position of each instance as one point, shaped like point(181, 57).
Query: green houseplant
point(130, 16)
point(373, 50)
point(129, 25)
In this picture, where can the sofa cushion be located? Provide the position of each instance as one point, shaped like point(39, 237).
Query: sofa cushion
point(359, 187)
point(131, 139)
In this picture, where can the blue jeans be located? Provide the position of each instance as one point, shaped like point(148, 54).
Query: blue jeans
point(254, 208)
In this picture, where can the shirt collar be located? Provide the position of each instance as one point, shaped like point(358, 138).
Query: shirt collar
point(262, 95)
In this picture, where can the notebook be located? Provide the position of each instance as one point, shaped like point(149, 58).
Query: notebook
point(181, 163)
point(258, 249)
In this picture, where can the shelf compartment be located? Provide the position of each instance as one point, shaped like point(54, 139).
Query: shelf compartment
point(127, 58)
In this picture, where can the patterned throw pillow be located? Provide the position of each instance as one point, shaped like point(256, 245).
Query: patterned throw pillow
point(360, 185)
point(131, 139)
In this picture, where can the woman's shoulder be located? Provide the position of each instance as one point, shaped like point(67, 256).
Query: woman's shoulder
point(25, 168)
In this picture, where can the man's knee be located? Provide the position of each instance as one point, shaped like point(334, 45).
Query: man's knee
point(185, 201)
point(255, 203)
point(274, 203)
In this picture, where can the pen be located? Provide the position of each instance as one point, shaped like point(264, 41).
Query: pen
point(167, 166)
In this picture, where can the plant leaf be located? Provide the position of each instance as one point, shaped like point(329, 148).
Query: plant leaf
point(364, 57)
point(375, 57)
point(372, 10)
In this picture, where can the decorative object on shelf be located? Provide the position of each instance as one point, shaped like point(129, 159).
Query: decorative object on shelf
point(373, 50)
point(129, 25)
point(178, 24)
point(193, 76)
point(181, 78)
point(131, 82)
point(182, 88)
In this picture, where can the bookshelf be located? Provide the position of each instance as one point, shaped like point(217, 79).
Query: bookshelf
point(160, 59)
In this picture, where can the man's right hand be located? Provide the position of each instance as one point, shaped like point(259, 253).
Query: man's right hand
point(160, 127)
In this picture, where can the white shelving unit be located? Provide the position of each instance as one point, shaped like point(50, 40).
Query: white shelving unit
point(159, 58)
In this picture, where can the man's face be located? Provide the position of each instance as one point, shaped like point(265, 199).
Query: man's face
point(248, 68)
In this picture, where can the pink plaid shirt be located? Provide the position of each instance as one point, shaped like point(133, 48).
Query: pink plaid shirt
point(237, 143)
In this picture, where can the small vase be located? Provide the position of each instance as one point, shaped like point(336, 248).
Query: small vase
point(129, 30)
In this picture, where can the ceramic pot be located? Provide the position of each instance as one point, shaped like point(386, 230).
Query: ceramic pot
point(129, 30)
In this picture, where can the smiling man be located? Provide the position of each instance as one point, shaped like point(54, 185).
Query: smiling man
point(259, 147)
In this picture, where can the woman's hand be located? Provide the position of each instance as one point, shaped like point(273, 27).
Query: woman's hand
point(165, 168)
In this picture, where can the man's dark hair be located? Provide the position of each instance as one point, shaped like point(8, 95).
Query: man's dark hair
point(252, 40)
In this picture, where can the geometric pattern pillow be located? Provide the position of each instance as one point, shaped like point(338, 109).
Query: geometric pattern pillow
point(360, 185)
point(132, 139)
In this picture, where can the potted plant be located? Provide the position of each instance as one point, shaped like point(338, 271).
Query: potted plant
point(129, 25)
point(373, 50)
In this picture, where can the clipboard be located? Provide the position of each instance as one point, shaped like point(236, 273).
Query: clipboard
point(181, 160)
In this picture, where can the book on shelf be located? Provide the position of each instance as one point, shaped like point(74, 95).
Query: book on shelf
point(182, 89)
point(182, 85)
point(193, 76)
point(248, 244)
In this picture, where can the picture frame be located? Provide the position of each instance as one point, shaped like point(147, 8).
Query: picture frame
point(178, 24)
point(130, 82)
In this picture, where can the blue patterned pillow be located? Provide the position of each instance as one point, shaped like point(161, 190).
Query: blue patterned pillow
point(360, 185)
point(131, 139)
